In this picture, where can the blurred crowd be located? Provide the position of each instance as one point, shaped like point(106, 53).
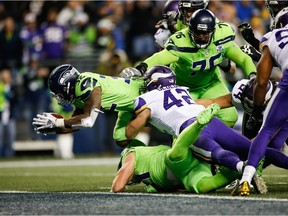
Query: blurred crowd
point(96, 36)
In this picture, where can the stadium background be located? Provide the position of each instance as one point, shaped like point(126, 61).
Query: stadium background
point(115, 34)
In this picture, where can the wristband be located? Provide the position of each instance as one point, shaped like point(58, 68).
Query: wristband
point(60, 123)
point(142, 67)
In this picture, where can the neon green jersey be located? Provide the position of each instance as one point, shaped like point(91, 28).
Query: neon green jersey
point(118, 94)
point(197, 68)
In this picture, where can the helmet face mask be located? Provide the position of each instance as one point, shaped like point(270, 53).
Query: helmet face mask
point(202, 38)
point(188, 7)
point(62, 82)
point(159, 77)
point(274, 7)
point(202, 27)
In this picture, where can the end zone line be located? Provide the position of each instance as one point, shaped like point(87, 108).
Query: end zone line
point(160, 195)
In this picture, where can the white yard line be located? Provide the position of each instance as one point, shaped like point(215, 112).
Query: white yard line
point(56, 163)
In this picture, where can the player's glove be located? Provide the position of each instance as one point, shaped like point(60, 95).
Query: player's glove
point(47, 121)
point(130, 72)
point(256, 117)
point(168, 22)
point(161, 36)
point(248, 34)
point(251, 51)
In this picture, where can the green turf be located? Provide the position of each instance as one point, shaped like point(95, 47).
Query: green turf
point(99, 178)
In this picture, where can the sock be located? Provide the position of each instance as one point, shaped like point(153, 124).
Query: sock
point(248, 173)
point(239, 166)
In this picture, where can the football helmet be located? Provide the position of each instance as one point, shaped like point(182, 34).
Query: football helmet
point(158, 77)
point(281, 19)
point(243, 91)
point(275, 6)
point(202, 27)
point(188, 7)
point(62, 82)
point(169, 7)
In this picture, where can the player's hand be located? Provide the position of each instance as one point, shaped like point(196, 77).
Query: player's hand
point(255, 118)
point(162, 24)
point(251, 51)
point(130, 72)
point(161, 36)
point(248, 105)
point(47, 121)
point(244, 26)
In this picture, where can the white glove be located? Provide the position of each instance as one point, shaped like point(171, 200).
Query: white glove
point(161, 36)
point(47, 120)
point(130, 72)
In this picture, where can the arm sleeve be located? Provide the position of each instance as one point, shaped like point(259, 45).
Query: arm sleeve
point(163, 57)
point(240, 58)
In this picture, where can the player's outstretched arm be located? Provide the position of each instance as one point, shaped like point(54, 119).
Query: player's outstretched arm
point(136, 125)
point(224, 101)
point(241, 59)
point(51, 123)
point(90, 112)
point(124, 174)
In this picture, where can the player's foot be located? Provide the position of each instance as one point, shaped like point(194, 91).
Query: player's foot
point(232, 185)
point(207, 115)
point(259, 184)
point(242, 189)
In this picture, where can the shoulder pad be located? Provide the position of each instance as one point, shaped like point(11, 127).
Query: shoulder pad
point(264, 40)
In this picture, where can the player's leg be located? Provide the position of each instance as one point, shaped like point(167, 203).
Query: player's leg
point(190, 134)
point(274, 118)
point(224, 177)
point(222, 145)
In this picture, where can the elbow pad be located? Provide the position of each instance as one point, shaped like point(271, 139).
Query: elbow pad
point(89, 121)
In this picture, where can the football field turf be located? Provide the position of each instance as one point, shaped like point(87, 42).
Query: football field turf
point(81, 187)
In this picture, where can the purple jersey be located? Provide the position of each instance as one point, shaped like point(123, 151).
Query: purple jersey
point(32, 41)
point(54, 37)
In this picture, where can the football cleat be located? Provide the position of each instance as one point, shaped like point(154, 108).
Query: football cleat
point(242, 189)
point(232, 185)
point(208, 114)
point(259, 184)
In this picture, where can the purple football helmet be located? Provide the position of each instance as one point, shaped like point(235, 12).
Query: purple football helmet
point(247, 94)
point(159, 76)
point(169, 6)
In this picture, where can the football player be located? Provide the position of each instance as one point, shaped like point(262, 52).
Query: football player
point(164, 169)
point(89, 92)
point(274, 49)
point(195, 53)
point(170, 109)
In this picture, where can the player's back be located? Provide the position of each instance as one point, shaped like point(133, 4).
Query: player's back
point(170, 108)
point(118, 93)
